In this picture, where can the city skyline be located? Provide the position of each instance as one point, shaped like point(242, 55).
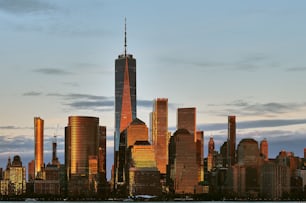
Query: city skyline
point(234, 58)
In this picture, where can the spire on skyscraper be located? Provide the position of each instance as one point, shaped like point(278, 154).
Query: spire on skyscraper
point(125, 45)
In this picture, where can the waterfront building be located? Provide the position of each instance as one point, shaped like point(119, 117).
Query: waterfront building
point(125, 92)
point(159, 133)
point(14, 180)
point(186, 119)
point(125, 100)
point(82, 146)
point(210, 156)
point(144, 177)
point(38, 146)
point(231, 140)
point(183, 168)
point(264, 149)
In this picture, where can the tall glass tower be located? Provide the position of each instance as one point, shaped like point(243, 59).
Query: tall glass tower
point(39, 145)
point(125, 92)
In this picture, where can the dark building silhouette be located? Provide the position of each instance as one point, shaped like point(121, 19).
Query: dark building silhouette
point(231, 140)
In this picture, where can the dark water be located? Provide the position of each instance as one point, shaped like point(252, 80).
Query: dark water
point(160, 201)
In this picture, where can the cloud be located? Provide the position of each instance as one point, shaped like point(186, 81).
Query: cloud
point(253, 124)
point(296, 69)
point(86, 101)
point(241, 107)
point(32, 93)
point(11, 127)
point(23, 7)
point(149, 104)
point(52, 71)
point(250, 62)
point(97, 105)
point(145, 103)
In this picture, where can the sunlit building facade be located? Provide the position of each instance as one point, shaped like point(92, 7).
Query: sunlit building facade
point(14, 181)
point(186, 119)
point(200, 154)
point(159, 133)
point(125, 92)
point(210, 156)
point(182, 167)
point(144, 177)
point(264, 149)
point(81, 146)
point(136, 131)
point(38, 146)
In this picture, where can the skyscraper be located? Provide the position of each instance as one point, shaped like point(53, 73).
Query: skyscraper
point(186, 118)
point(264, 149)
point(159, 132)
point(39, 144)
point(231, 140)
point(81, 150)
point(183, 167)
point(125, 92)
point(210, 157)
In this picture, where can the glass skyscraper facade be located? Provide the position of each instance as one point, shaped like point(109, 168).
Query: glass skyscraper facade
point(125, 93)
point(39, 144)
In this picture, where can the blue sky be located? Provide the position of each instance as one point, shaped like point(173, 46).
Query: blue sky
point(245, 58)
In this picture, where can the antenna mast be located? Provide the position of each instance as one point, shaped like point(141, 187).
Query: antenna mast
point(125, 45)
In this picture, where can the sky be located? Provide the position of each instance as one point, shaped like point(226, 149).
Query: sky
point(243, 58)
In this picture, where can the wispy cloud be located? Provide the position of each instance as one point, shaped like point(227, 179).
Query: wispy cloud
point(270, 109)
point(253, 124)
point(296, 69)
point(22, 7)
point(86, 101)
point(52, 71)
point(12, 127)
point(32, 93)
point(250, 62)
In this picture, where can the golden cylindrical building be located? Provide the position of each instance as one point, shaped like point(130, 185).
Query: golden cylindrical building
point(82, 141)
point(39, 144)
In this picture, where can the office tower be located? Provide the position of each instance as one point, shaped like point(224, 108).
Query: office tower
point(210, 157)
point(159, 133)
point(186, 118)
point(239, 180)
point(264, 149)
point(247, 152)
point(81, 148)
point(102, 153)
point(39, 145)
point(248, 156)
point(223, 152)
point(14, 181)
point(125, 92)
point(274, 180)
point(31, 171)
point(137, 172)
point(144, 177)
point(183, 169)
point(136, 131)
point(200, 155)
point(231, 140)
point(55, 160)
